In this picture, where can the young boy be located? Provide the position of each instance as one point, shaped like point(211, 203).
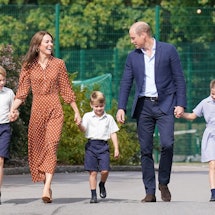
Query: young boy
point(206, 108)
point(98, 127)
point(6, 100)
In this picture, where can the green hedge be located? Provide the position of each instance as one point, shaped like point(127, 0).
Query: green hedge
point(72, 143)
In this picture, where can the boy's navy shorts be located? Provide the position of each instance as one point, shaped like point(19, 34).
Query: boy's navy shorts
point(5, 135)
point(97, 155)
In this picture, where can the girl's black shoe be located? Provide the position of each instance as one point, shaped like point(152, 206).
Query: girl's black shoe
point(212, 199)
point(93, 199)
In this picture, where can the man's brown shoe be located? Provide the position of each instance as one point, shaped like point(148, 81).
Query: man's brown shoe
point(165, 193)
point(149, 198)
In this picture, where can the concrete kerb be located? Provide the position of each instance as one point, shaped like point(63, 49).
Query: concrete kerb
point(66, 169)
point(80, 168)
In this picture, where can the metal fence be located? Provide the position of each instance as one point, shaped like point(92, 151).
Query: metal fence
point(103, 51)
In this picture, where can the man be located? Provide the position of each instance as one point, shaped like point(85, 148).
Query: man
point(160, 93)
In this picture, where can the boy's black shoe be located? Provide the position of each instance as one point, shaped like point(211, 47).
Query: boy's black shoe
point(102, 190)
point(93, 199)
point(212, 199)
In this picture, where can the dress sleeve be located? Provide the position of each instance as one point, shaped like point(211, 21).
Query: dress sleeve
point(198, 110)
point(24, 85)
point(65, 86)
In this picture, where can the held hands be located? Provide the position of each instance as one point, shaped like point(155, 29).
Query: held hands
point(178, 112)
point(13, 115)
point(77, 118)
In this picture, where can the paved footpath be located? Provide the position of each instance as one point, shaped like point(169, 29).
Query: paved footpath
point(189, 187)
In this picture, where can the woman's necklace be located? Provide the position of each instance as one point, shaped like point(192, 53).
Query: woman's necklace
point(43, 63)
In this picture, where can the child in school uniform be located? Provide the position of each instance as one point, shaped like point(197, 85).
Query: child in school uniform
point(6, 101)
point(206, 108)
point(98, 127)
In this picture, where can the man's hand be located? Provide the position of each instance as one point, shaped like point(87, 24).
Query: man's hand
point(179, 111)
point(120, 116)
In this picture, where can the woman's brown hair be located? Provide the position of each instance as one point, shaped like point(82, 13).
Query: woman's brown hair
point(33, 49)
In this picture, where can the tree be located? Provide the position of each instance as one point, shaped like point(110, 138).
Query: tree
point(94, 34)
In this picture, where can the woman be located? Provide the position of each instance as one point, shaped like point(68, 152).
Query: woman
point(47, 77)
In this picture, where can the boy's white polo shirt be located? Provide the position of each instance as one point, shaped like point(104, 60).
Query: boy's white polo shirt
point(99, 128)
point(6, 100)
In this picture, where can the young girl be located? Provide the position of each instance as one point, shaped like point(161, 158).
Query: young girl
point(206, 108)
point(6, 100)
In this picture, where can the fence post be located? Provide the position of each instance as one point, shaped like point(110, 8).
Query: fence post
point(157, 22)
point(116, 71)
point(57, 26)
point(189, 96)
point(82, 64)
point(157, 36)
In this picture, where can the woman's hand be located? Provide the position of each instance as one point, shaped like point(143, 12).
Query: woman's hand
point(13, 115)
point(77, 118)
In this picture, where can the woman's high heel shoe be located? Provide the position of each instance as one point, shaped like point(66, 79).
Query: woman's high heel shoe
point(50, 193)
point(47, 199)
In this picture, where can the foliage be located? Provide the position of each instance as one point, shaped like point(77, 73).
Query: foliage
point(103, 23)
point(128, 142)
point(16, 37)
point(44, 15)
point(11, 65)
point(100, 27)
point(72, 145)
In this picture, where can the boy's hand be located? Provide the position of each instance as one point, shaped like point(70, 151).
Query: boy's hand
point(116, 153)
point(13, 115)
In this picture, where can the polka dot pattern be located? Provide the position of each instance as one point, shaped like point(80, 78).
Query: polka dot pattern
point(46, 119)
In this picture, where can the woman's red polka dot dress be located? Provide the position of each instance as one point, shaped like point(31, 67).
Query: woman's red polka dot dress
point(46, 119)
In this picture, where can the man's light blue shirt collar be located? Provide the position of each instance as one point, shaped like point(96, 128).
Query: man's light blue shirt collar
point(153, 48)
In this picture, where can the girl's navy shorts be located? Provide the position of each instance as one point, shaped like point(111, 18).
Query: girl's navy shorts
point(5, 135)
point(97, 155)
